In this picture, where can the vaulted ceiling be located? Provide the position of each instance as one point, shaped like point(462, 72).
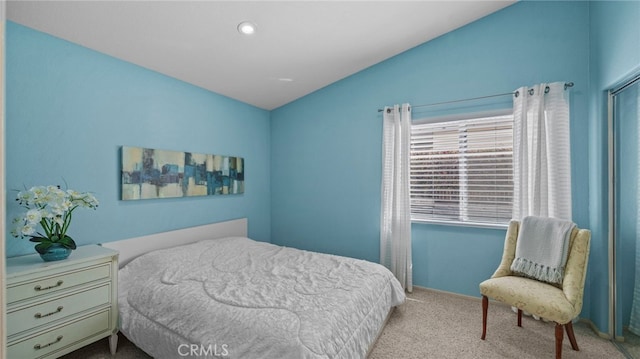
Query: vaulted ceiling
point(299, 46)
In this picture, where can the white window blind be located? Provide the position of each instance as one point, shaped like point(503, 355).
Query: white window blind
point(461, 171)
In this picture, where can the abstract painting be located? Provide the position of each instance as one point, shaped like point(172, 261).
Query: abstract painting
point(151, 173)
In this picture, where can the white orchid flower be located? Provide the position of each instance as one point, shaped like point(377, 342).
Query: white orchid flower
point(33, 216)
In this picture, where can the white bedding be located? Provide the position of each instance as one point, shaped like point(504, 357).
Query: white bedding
point(239, 298)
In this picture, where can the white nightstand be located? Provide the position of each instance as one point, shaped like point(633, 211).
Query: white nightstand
point(54, 308)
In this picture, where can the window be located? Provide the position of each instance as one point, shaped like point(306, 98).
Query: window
point(461, 170)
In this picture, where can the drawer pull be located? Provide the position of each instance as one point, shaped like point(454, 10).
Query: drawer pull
point(38, 346)
point(38, 315)
point(39, 288)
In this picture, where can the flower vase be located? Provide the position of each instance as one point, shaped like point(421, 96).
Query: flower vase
point(55, 253)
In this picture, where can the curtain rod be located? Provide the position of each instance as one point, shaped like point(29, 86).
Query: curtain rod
point(516, 93)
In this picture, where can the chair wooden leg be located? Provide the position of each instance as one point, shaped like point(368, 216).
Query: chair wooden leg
point(559, 335)
point(572, 337)
point(485, 307)
point(519, 317)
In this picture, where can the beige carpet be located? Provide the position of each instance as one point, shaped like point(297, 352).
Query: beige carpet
point(439, 325)
point(433, 324)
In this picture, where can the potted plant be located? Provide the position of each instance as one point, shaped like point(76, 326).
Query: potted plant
point(51, 208)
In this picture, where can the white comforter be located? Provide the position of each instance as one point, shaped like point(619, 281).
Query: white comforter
point(238, 298)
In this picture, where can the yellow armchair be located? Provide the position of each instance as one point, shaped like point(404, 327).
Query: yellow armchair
point(557, 303)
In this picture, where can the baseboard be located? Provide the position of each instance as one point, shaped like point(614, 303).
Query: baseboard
point(464, 296)
point(449, 293)
point(595, 328)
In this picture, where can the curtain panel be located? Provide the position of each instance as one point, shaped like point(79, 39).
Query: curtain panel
point(541, 152)
point(395, 216)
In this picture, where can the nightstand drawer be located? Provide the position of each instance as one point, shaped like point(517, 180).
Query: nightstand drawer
point(60, 337)
point(58, 308)
point(57, 282)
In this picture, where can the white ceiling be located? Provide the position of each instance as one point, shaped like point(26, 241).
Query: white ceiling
point(300, 46)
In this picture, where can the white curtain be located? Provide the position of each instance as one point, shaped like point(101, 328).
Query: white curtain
point(541, 152)
point(395, 217)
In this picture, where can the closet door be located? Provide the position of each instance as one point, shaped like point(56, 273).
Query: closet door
point(3, 340)
point(626, 112)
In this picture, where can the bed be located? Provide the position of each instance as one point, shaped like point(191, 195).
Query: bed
point(221, 294)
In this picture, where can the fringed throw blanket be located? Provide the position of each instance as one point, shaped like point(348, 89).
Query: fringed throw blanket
point(542, 248)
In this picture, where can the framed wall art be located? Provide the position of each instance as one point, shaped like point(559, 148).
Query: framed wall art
point(152, 173)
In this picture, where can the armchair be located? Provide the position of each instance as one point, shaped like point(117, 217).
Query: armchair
point(557, 303)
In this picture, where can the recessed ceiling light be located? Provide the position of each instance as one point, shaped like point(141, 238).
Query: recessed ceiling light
point(247, 28)
point(285, 79)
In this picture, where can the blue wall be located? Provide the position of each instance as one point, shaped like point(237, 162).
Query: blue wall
point(614, 57)
point(326, 147)
point(69, 109)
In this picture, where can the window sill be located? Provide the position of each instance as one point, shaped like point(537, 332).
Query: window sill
point(462, 224)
